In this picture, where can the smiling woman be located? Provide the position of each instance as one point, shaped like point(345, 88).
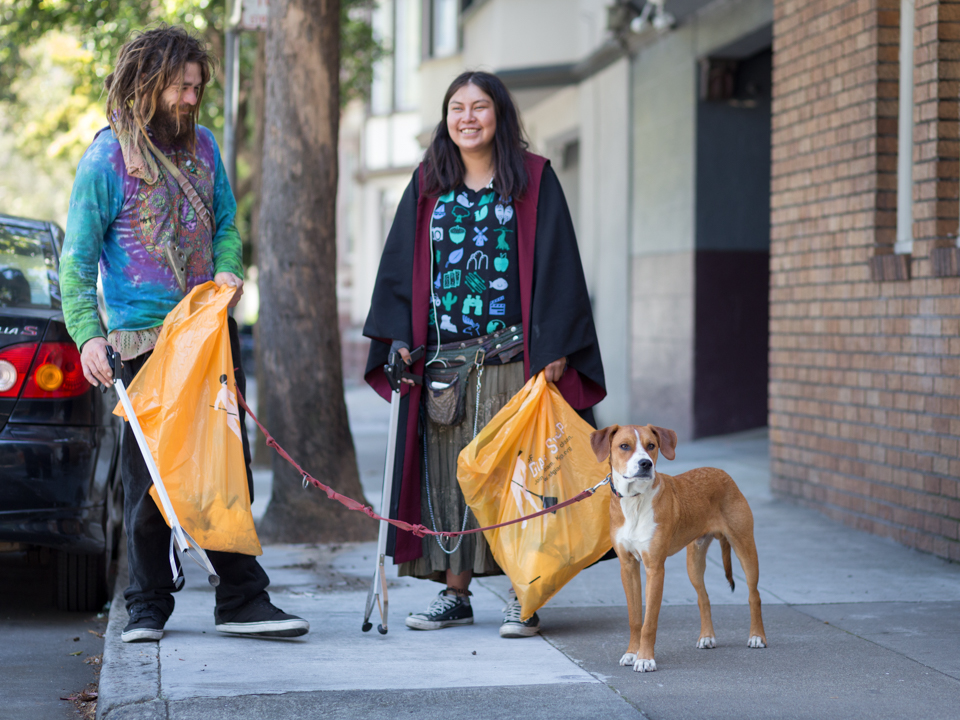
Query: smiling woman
point(478, 139)
point(481, 266)
point(472, 124)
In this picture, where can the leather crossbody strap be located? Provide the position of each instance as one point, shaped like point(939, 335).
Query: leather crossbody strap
point(501, 346)
point(205, 217)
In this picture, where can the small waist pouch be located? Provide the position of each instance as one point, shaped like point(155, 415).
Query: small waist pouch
point(445, 378)
point(445, 389)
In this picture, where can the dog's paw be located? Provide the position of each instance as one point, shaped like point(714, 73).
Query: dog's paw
point(707, 643)
point(643, 665)
point(628, 659)
point(756, 641)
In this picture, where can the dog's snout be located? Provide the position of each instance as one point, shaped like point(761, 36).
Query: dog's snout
point(646, 464)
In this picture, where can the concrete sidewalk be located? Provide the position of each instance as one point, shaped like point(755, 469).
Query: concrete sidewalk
point(858, 627)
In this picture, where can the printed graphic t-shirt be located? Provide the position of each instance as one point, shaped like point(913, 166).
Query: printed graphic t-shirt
point(476, 280)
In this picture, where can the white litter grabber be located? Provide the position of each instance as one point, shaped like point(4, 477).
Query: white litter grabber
point(396, 372)
point(187, 546)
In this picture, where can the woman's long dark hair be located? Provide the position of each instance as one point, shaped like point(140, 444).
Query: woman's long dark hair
point(444, 167)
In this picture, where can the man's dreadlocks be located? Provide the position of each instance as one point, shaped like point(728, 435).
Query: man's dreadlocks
point(146, 66)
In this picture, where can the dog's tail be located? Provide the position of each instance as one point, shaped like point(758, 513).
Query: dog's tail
point(727, 567)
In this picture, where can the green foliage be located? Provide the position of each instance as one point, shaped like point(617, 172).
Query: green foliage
point(65, 49)
point(359, 50)
point(53, 103)
point(101, 25)
point(55, 55)
point(78, 40)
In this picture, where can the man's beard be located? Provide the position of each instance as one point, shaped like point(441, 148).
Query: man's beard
point(163, 126)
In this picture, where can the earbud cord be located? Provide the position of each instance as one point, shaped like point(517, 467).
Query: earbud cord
point(426, 471)
point(433, 296)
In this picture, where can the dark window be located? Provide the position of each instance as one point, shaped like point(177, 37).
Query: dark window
point(28, 272)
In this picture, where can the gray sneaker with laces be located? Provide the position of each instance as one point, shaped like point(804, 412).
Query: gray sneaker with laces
point(445, 611)
point(512, 626)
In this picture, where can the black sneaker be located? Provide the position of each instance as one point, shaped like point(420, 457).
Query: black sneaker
point(261, 618)
point(146, 623)
point(513, 627)
point(444, 611)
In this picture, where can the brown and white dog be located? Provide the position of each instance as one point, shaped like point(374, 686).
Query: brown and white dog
point(654, 515)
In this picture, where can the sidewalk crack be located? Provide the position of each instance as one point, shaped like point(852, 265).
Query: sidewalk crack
point(600, 679)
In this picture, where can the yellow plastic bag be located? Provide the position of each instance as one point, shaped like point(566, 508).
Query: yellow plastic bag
point(533, 454)
point(185, 398)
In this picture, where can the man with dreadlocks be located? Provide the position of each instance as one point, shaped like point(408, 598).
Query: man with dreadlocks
point(152, 207)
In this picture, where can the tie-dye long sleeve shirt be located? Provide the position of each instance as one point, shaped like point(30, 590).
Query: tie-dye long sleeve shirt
point(121, 224)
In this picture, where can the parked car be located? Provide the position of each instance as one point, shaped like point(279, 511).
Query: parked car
point(60, 492)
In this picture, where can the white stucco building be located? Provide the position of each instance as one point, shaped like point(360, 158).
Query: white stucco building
point(647, 150)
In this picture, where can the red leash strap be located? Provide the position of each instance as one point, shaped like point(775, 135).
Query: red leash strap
point(418, 530)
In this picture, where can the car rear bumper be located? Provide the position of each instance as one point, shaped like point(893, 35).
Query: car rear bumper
point(53, 483)
point(78, 531)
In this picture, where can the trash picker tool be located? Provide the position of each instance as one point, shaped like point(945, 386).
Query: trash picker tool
point(179, 537)
point(396, 373)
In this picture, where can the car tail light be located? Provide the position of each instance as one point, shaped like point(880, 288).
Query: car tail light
point(49, 377)
point(14, 365)
point(56, 373)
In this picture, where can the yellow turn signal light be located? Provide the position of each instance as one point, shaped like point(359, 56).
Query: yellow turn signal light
point(49, 377)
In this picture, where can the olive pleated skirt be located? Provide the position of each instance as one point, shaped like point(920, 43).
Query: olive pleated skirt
point(499, 383)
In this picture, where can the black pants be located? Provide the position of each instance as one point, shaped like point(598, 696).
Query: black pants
point(148, 537)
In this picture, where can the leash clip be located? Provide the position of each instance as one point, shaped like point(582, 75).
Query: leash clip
point(607, 479)
point(306, 481)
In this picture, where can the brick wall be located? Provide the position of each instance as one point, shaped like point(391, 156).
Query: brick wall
point(865, 372)
point(936, 152)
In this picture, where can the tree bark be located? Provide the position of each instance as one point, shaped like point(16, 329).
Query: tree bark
point(299, 333)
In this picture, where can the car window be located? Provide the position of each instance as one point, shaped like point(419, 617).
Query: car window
point(28, 275)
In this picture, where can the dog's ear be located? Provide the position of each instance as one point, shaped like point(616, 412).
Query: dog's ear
point(668, 441)
point(600, 441)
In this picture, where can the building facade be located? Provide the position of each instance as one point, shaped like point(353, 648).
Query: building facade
point(757, 251)
point(615, 105)
point(865, 298)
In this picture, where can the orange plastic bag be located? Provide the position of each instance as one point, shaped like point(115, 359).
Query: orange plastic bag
point(185, 398)
point(533, 454)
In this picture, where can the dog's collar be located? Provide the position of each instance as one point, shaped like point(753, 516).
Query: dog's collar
point(616, 493)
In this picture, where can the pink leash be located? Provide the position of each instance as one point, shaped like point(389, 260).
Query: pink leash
point(418, 530)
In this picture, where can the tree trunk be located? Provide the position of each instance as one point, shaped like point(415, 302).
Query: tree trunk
point(300, 338)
